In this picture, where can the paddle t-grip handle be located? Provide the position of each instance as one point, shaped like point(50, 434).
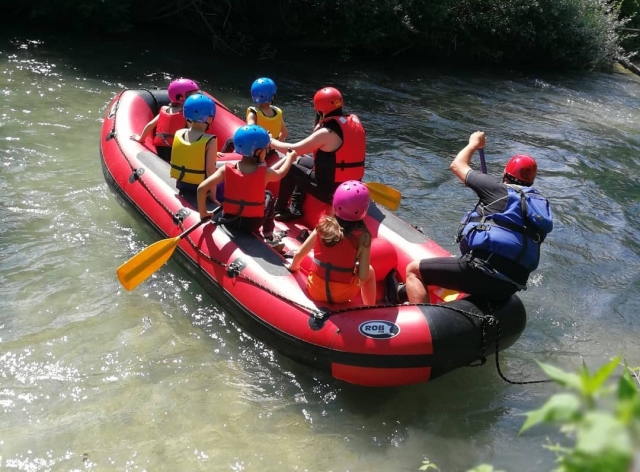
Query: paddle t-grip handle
point(483, 163)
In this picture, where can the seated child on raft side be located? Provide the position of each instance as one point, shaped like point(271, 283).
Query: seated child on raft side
point(194, 152)
point(169, 119)
point(247, 204)
point(341, 246)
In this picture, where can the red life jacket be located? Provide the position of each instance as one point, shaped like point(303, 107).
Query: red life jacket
point(167, 126)
point(244, 193)
point(336, 263)
point(350, 156)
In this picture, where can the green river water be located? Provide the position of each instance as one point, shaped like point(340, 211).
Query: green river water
point(161, 378)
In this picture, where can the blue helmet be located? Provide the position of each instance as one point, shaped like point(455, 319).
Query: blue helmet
point(249, 139)
point(198, 108)
point(263, 90)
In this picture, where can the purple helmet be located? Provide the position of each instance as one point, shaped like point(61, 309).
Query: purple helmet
point(179, 88)
point(351, 200)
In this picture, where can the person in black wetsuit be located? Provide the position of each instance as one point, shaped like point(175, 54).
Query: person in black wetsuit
point(499, 239)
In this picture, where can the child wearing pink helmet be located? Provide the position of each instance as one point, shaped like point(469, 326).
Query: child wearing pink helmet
point(341, 246)
point(169, 119)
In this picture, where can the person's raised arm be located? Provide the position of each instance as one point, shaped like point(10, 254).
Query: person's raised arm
point(209, 184)
point(302, 251)
point(147, 130)
point(460, 165)
point(317, 140)
point(280, 168)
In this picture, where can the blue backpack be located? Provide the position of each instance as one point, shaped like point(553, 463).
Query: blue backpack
point(536, 209)
point(515, 233)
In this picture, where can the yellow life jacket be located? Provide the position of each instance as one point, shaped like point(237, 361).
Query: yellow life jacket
point(188, 159)
point(273, 124)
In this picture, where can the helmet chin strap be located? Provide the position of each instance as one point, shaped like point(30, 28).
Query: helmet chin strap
point(336, 112)
point(512, 180)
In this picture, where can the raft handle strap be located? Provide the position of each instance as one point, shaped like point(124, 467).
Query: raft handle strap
point(234, 268)
point(136, 174)
point(180, 216)
point(321, 313)
point(486, 321)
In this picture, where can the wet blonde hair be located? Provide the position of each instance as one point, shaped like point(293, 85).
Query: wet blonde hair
point(331, 230)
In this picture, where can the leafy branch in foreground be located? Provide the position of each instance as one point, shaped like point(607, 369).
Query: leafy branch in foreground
point(606, 430)
point(601, 417)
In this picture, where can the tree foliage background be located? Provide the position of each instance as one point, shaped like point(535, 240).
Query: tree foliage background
point(537, 33)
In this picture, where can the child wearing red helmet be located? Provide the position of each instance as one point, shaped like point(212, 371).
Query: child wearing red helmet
point(338, 145)
point(499, 239)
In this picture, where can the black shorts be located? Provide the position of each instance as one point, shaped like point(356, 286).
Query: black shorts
point(457, 273)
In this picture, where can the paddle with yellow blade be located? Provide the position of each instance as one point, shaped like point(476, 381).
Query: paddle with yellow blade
point(140, 267)
point(385, 195)
point(137, 269)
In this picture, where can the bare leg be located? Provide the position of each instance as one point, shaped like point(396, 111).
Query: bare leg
point(416, 290)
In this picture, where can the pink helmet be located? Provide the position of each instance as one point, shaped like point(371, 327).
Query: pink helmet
point(351, 200)
point(179, 88)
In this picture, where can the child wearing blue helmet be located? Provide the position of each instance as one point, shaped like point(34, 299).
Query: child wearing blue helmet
point(247, 204)
point(263, 91)
point(194, 152)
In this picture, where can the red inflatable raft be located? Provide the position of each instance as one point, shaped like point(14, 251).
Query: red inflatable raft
point(382, 345)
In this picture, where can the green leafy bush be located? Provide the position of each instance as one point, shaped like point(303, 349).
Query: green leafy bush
point(540, 33)
point(605, 430)
point(113, 16)
point(569, 33)
point(631, 9)
point(600, 417)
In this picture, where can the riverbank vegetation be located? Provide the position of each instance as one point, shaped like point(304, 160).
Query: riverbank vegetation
point(572, 34)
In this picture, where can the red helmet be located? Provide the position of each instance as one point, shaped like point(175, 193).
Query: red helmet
point(327, 99)
point(522, 168)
